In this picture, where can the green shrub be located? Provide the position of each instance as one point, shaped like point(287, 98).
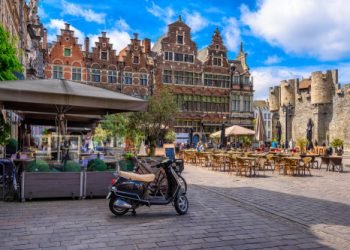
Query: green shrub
point(71, 166)
point(128, 156)
point(11, 146)
point(96, 165)
point(38, 166)
point(126, 165)
point(337, 143)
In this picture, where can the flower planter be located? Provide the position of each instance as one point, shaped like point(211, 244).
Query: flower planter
point(96, 184)
point(52, 185)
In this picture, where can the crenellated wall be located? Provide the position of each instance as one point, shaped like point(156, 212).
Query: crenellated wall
point(319, 98)
point(322, 85)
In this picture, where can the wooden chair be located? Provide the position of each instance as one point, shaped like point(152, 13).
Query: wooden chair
point(190, 157)
point(279, 164)
point(216, 162)
point(232, 164)
point(202, 159)
point(261, 165)
point(292, 166)
point(305, 164)
point(244, 166)
point(269, 163)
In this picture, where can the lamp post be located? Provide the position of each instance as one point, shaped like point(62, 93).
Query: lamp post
point(287, 109)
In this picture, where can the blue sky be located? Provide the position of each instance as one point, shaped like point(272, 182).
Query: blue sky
point(283, 38)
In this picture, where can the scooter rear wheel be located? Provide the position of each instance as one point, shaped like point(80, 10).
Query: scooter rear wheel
point(115, 210)
point(181, 204)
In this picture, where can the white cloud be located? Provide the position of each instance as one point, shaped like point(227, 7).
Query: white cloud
point(231, 33)
point(54, 28)
point(195, 20)
point(274, 59)
point(265, 77)
point(317, 28)
point(78, 11)
point(118, 35)
point(165, 14)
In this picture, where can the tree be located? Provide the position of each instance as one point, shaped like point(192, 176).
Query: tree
point(161, 114)
point(100, 135)
point(8, 56)
point(115, 125)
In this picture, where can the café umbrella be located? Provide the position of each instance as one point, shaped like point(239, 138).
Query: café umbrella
point(260, 135)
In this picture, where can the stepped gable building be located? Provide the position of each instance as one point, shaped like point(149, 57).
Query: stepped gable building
point(136, 68)
point(101, 63)
point(65, 58)
point(319, 98)
point(209, 88)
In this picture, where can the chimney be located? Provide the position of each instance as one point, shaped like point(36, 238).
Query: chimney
point(66, 26)
point(146, 44)
point(103, 34)
point(136, 36)
point(87, 44)
point(44, 43)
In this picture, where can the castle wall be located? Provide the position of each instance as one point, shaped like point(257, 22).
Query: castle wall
point(287, 92)
point(274, 99)
point(303, 111)
point(339, 126)
point(322, 86)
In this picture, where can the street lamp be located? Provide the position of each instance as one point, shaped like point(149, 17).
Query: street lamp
point(287, 109)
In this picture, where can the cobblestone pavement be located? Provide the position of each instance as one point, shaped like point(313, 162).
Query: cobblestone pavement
point(226, 212)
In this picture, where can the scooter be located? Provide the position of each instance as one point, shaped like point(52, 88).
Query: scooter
point(131, 190)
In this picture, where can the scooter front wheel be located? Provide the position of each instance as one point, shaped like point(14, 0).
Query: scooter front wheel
point(181, 204)
point(115, 210)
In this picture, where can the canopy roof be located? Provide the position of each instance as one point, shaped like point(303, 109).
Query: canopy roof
point(234, 130)
point(75, 98)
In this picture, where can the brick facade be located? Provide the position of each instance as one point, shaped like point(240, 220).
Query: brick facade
point(205, 83)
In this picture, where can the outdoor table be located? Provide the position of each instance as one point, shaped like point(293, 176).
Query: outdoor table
point(313, 156)
point(223, 158)
point(251, 160)
point(290, 159)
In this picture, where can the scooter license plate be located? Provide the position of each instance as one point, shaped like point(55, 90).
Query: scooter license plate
point(109, 195)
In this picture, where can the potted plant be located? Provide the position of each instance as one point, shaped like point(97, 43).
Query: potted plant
point(301, 143)
point(337, 144)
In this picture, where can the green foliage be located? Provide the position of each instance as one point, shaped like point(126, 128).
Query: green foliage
point(301, 143)
point(12, 146)
point(128, 156)
point(161, 114)
point(96, 165)
point(8, 56)
point(247, 141)
point(126, 165)
point(337, 143)
point(5, 130)
point(170, 136)
point(115, 125)
point(100, 134)
point(38, 166)
point(71, 166)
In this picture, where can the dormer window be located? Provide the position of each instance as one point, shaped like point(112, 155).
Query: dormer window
point(180, 39)
point(217, 46)
point(135, 47)
point(67, 39)
point(136, 60)
point(104, 55)
point(217, 61)
point(67, 52)
point(104, 45)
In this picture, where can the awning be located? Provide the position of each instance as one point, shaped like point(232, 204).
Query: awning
point(233, 131)
point(53, 96)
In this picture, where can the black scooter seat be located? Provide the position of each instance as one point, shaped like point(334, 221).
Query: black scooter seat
point(138, 177)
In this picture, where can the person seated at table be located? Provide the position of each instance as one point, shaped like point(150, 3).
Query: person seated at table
point(200, 147)
point(274, 144)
